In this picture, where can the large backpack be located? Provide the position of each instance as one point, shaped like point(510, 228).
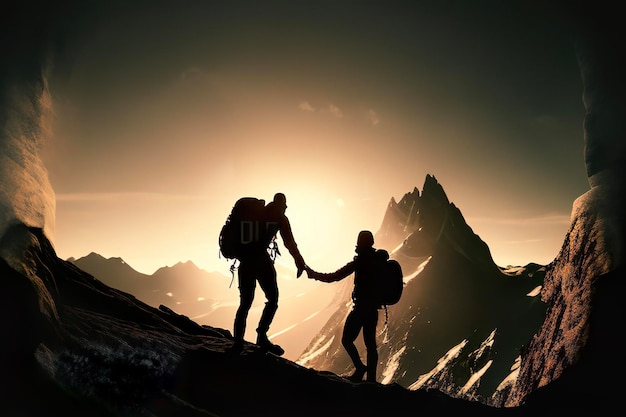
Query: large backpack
point(389, 280)
point(244, 228)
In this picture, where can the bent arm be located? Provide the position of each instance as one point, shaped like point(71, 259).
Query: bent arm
point(289, 241)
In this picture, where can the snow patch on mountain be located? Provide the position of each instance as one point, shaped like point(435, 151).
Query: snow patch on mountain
point(442, 364)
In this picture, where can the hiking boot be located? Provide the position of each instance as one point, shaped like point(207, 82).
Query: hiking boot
point(267, 346)
point(357, 375)
point(371, 374)
point(236, 347)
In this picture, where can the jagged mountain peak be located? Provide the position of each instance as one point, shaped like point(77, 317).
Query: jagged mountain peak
point(422, 224)
point(434, 191)
point(402, 217)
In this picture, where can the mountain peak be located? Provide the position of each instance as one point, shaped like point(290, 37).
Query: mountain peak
point(94, 257)
point(187, 266)
point(425, 213)
point(113, 266)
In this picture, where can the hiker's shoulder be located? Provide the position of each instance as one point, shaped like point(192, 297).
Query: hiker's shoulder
point(280, 218)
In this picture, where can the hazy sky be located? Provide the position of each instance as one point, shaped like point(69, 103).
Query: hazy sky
point(167, 112)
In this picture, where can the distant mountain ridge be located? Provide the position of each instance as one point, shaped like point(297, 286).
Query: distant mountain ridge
point(212, 298)
point(114, 271)
point(182, 283)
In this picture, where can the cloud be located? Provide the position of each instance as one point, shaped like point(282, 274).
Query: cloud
point(305, 106)
point(192, 73)
point(332, 109)
point(335, 111)
point(125, 196)
point(373, 116)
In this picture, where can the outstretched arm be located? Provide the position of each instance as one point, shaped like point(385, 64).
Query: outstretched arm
point(338, 275)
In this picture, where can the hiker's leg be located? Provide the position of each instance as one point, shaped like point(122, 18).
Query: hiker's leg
point(267, 281)
point(247, 285)
point(370, 321)
point(351, 330)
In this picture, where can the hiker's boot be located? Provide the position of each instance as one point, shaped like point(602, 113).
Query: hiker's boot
point(357, 375)
point(236, 347)
point(267, 346)
point(371, 373)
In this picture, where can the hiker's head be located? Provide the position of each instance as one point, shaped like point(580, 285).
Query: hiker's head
point(365, 240)
point(280, 201)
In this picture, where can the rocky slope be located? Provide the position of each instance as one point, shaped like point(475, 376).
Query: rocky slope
point(74, 344)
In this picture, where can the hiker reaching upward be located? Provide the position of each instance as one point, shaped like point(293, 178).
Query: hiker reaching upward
point(364, 313)
point(257, 264)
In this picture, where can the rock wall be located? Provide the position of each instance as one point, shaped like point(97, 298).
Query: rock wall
point(593, 250)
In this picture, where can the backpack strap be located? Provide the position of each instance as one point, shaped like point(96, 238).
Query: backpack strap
point(232, 268)
point(273, 250)
point(386, 328)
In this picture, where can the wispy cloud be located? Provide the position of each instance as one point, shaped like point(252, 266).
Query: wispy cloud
point(331, 109)
point(92, 197)
point(335, 111)
point(373, 116)
point(192, 73)
point(305, 106)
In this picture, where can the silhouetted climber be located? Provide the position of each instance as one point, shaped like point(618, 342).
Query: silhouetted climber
point(257, 264)
point(364, 313)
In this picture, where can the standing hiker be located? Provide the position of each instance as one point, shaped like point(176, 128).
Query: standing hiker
point(257, 264)
point(364, 313)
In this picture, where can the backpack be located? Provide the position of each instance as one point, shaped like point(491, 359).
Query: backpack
point(244, 228)
point(389, 280)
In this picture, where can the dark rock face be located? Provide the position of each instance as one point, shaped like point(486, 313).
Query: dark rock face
point(570, 355)
point(590, 382)
point(569, 289)
point(461, 322)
